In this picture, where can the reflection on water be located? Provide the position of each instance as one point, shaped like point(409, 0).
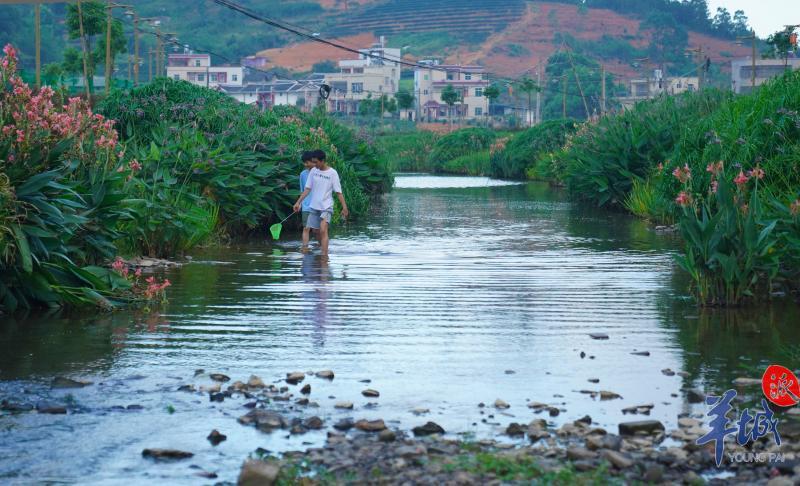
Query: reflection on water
point(433, 299)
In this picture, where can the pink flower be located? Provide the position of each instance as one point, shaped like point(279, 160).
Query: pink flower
point(10, 52)
point(795, 208)
point(714, 187)
point(683, 199)
point(134, 165)
point(741, 179)
point(138, 273)
point(683, 174)
point(715, 168)
point(661, 166)
point(757, 173)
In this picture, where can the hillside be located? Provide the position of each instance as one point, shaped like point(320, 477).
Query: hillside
point(509, 48)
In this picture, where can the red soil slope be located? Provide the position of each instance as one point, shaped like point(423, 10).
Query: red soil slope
point(534, 32)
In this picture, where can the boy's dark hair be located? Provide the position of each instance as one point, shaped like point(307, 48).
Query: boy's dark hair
point(319, 154)
point(307, 155)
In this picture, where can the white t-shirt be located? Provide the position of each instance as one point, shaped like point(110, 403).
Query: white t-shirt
point(323, 184)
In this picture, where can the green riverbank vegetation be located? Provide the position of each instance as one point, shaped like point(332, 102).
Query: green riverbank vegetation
point(154, 171)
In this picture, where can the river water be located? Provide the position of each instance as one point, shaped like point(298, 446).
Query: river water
point(455, 291)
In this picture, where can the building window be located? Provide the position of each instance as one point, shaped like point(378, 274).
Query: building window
point(176, 77)
point(478, 111)
point(235, 77)
point(478, 92)
point(358, 87)
point(201, 77)
point(485, 76)
point(468, 76)
point(425, 77)
point(386, 80)
point(425, 92)
point(197, 63)
point(358, 70)
point(450, 76)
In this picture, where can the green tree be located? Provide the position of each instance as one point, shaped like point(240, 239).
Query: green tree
point(325, 67)
point(559, 70)
point(529, 86)
point(450, 96)
point(94, 29)
point(669, 39)
point(491, 93)
point(781, 45)
point(405, 100)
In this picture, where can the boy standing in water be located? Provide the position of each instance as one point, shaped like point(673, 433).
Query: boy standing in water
point(308, 163)
point(322, 182)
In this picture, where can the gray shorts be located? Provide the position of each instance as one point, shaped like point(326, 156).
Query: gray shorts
point(315, 218)
point(305, 218)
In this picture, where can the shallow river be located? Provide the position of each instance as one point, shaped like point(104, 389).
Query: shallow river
point(456, 291)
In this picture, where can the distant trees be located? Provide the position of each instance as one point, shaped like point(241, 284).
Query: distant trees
point(405, 100)
point(669, 40)
point(94, 27)
point(325, 67)
point(529, 86)
point(782, 43)
point(377, 106)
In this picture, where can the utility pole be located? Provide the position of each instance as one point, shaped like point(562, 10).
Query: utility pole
point(578, 81)
point(539, 97)
point(37, 27)
point(149, 65)
point(752, 37)
point(108, 47)
point(700, 67)
point(85, 54)
point(602, 89)
point(564, 98)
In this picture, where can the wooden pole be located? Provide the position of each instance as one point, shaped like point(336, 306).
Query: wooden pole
point(578, 81)
point(38, 34)
point(149, 65)
point(85, 54)
point(539, 97)
point(603, 90)
point(135, 48)
point(108, 48)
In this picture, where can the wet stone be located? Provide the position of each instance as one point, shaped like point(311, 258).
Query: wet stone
point(429, 428)
point(344, 405)
point(641, 353)
point(387, 436)
point(667, 372)
point(255, 382)
point(695, 396)
point(370, 393)
point(264, 420)
point(579, 453)
point(644, 426)
point(215, 437)
point(216, 397)
point(594, 380)
point(219, 377)
point(325, 374)
point(187, 388)
point(618, 459)
point(370, 425)
point(258, 473)
point(344, 424)
point(50, 408)
point(295, 377)
point(608, 395)
point(7, 406)
point(515, 430)
point(63, 382)
point(306, 390)
point(313, 423)
point(501, 404)
point(166, 454)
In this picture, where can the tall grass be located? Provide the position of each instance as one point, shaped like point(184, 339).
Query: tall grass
point(526, 153)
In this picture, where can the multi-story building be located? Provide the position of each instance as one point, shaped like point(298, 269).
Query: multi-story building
point(742, 72)
point(376, 72)
point(303, 94)
point(197, 69)
point(648, 88)
point(469, 81)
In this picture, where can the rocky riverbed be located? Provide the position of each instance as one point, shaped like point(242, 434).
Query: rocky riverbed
point(364, 450)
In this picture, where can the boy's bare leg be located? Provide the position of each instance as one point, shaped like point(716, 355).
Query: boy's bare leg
point(306, 237)
point(323, 236)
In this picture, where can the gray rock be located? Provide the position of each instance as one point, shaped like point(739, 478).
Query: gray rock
point(608, 395)
point(580, 454)
point(502, 405)
point(411, 451)
point(594, 380)
point(344, 405)
point(166, 454)
point(553, 411)
point(515, 430)
point(219, 377)
point(325, 374)
point(187, 388)
point(344, 424)
point(370, 393)
point(647, 426)
point(306, 390)
point(654, 474)
point(429, 428)
point(387, 435)
point(598, 336)
point(255, 382)
point(641, 353)
point(50, 408)
point(264, 420)
point(258, 473)
point(313, 423)
point(618, 459)
point(295, 377)
point(63, 382)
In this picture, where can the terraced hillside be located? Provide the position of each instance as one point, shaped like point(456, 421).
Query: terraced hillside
point(416, 16)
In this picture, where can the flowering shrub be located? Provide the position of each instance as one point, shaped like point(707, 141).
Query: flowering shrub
point(61, 197)
point(148, 289)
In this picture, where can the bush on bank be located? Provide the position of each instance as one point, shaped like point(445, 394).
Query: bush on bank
point(525, 154)
point(460, 143)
